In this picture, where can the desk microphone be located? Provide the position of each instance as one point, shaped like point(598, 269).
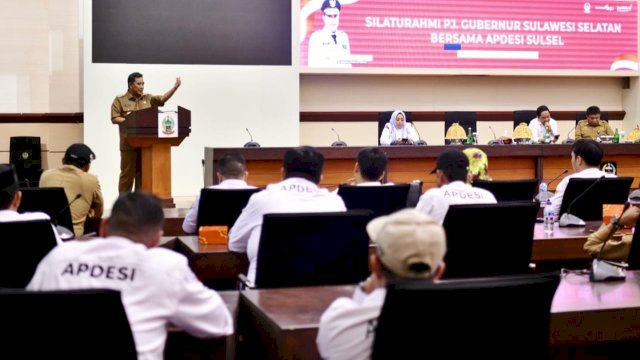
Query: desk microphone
point(569, 140)
point(605, 270)
point(556, 178)
point(338, 142)
point(65, 234)
point(495, 141)
point(420, 142)
point(568, 219)
point(251, 144)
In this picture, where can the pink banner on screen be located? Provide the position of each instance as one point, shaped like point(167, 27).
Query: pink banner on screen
point(479, 34)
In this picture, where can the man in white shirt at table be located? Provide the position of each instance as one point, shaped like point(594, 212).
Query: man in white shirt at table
point(586, 156)
point(452, 169)
point(298, 192)
point(232, 174)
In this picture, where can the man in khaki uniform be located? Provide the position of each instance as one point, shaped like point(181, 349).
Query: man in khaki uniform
point(134, 99)
point(82, 189)
point(592, 127)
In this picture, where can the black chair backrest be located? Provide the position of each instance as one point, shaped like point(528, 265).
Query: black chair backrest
point(510, 190)
point(25, 155)
point(489, 239)
point(309, 249)
point(382, 200)
point(222, 206)
point(461, 311)
point(466, 119)
point(634, 251)
point(49, 200)
point(415, 191)
point(581, 115)
point(69, 324)
point(588, 207)
point(383, 119)
point(24, 244)
point(523, 116)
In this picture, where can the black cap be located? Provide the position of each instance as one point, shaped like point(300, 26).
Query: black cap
point(79, 154)
point(8, 179)
point(454, 163)
point(330, 4)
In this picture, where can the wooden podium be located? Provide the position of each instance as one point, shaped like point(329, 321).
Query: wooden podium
point(141, 128)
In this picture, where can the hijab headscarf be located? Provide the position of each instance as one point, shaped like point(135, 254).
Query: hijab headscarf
point(396, 133)
point(478, 164)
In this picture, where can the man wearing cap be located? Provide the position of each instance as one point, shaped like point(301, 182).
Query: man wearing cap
point(298, 192)
point(452, 169)
point(81, 187)
point(615, 249)
point(329, 47)
point(409, 245)
point(592, 126)
point(10, 198)
point(134, 99)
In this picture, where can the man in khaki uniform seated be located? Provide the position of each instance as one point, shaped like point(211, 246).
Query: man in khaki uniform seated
point(592, 127)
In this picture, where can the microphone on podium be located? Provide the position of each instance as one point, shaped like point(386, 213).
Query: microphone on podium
point(568, 219)
point(420, 142)
point(251, 144)
point(338, 142)
point(569, 140)
point(495, 140)
point(606, 270)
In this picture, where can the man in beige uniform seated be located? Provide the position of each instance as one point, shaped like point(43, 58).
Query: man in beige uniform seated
point(134, 99)
point(592, 127)
point(615, 249)
point(81, 187)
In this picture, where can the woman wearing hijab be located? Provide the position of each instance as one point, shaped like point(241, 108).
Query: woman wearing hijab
point(397, 131)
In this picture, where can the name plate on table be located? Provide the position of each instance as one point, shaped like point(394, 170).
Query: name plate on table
point(167, 124)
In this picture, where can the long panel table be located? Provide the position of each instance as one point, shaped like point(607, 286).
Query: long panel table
point(285, 321)
point(408, 163)
point(219, 268)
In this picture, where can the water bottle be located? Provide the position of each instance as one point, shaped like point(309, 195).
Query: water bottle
point(549, 217)
point(543, 194)
point(470, 137)
point(547, 138)
point(616, 137)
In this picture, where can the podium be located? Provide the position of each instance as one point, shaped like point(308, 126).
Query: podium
point(141, 129)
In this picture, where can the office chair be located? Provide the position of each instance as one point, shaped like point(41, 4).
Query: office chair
point(415, 191)
point(523, 116)
point(588, 205)
point(466, 119)
point(510, 190)
point(381, 200)
point(324, 249)
point(383, 119)
point(489, 239)
point(451, 318)
point(222, 206)
point(66, 324)
point(634, 250)
point(50, 200)
point(24, 244)
point(581, 115)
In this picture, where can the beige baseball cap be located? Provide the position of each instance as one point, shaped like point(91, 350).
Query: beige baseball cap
point(409, 243)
